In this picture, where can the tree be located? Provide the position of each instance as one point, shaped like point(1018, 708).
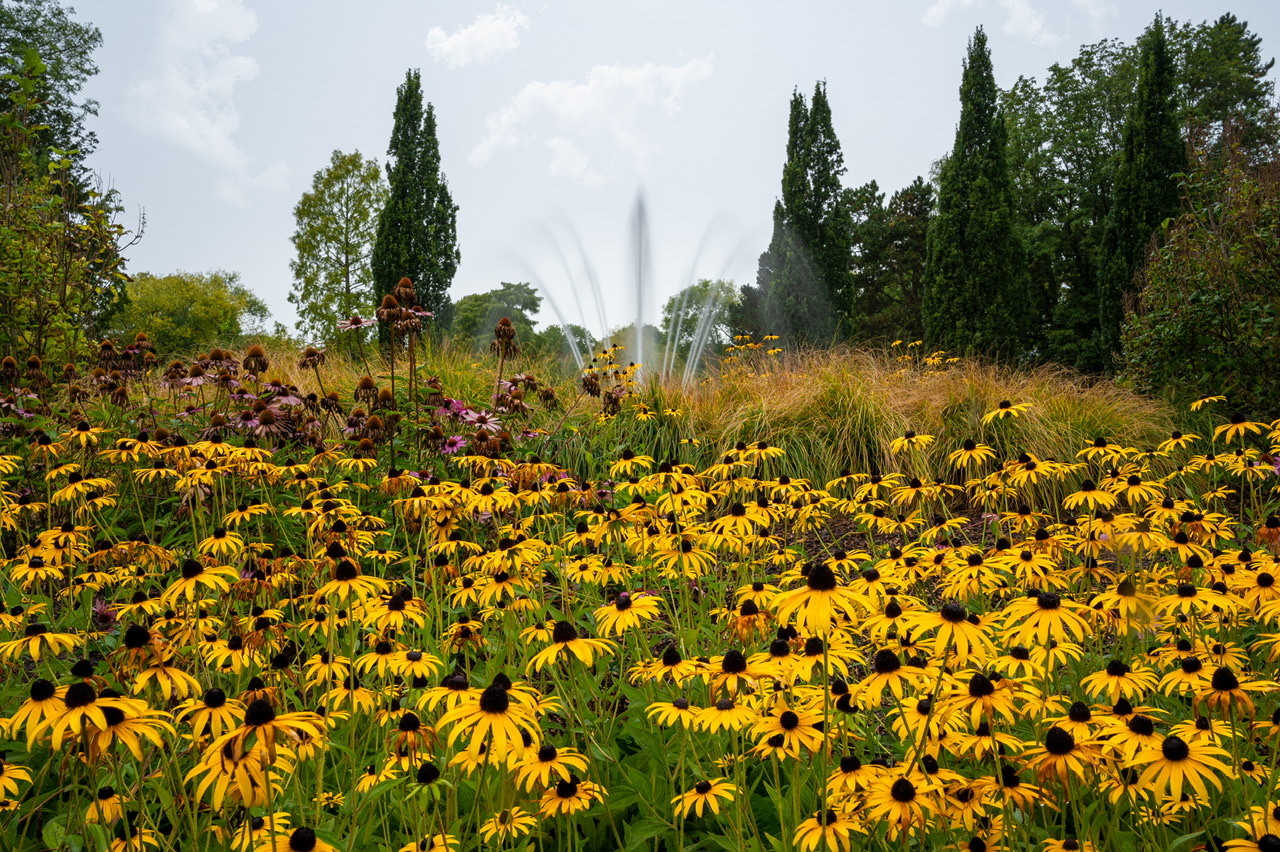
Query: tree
point(1065, 141)
point(1222, 80)
point(698, 314)
point(417, 233)
point(66, 47)
point(333, 242)
point(887, 272)
point(184, 311)
point(1204, 321)
point(475, 315)
point(60, 248)
point(1152, 155)
point(977, 293)
point(803, 276)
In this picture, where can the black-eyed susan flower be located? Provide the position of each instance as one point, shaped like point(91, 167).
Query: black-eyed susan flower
point(432, 843)
point(1061, 756)
point(725, 714)
point(1004, 409)
point(828, 829)
point(1119, 679)
point(565, 641)
point(798, 728)
point(494, 719)
point(569, 796)
point(1176, 762)
point(198, 579)
point(107, 806)
point(36, 639)
point(957, 631)
point(626, 612)
point(11, 776)
point(899, 803)
point(1227, 694)
point(298, 840)
point(703, 796)
point(506, 824)
point(130, 728)
point(678, 711)
point(819, 604)
point(82, 707)
point(542, 767)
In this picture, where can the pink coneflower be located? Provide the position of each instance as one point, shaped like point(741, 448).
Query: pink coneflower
point(482, 420)
point(453, 444)
point(356, 322)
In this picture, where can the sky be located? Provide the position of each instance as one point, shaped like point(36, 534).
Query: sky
point(557, 121)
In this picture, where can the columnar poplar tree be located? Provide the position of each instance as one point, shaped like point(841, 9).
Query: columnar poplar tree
point(1145, 193)
point(977, 291)
point(417, 234)
point(803, 278)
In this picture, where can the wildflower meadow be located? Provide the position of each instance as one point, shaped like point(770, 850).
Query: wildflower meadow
point(268, 601)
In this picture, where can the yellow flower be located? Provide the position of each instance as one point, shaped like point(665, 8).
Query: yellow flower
point(1005, 409)
point(704, 795)
point(509, 823)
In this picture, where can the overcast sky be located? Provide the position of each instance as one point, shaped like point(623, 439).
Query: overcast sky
point(553, 118)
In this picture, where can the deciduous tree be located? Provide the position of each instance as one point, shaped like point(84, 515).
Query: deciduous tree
point(333, 243)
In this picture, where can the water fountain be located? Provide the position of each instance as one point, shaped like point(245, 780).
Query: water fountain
point(579, 272)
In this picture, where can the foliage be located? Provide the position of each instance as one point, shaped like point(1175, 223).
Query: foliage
point(977, 293)
point(59, 243)
point(803, 278)
point(417, 233)
point(698, 314)
point(1065, 142)
point(889, 253)
point(238, 618)
point(185, 311)
point(1224, 86)
point(475, 315)
point(333, 242)
point(66, 47)
point(1205, 321)
point(1145, 193)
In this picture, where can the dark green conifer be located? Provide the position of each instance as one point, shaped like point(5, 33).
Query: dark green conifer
point(417, 233)
point(977, 291)
point(1145, 193)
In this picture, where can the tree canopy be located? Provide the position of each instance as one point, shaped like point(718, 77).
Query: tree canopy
point(333, 243)
point(184, 311)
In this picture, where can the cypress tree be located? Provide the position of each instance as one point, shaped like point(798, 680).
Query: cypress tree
point(1145, 192)
point(977, 290)
point(417, 233)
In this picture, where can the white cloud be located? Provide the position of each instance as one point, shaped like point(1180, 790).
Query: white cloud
point(1024, 20)
point(938, 12)
point(571, 162)
point(487, 38)
point(613, 104)
point(1027, 22)
point(1098, 11)
point(190, 99)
